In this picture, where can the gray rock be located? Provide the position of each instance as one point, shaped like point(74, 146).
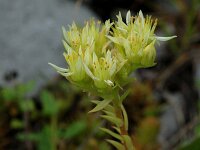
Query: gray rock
point(172, 119)
point(30, 37)
point(168, 126)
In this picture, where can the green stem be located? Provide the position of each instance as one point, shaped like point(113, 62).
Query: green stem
point(119, 114)
point(123, 129)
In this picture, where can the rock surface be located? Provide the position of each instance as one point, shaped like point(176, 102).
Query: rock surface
point(31, 37)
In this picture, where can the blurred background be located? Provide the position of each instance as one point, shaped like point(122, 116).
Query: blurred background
point(40, 110)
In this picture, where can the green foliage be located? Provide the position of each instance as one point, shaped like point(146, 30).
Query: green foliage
point(113, 134)
point(128, 141)
point(125, 116)
point(74, 129)
point(8, 94)
point(113, 119)
point(46, 137)
point(117, 145)
point(108, 107)
point(43, 138)
point(16, 124)
point(101, 105)
point(50, 106)
point(24, 89)
point(27, 105)
point(53, 129)
point(125, 94)
point(193, 145)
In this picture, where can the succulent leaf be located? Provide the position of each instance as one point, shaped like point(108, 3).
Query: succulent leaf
point(113, 119)
point(100, 105)
point(113, 134)
point(117, 145)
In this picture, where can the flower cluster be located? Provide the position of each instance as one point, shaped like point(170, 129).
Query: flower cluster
point(101, 57)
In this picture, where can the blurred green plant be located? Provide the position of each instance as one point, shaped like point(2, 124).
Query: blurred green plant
point(46, 112)
point(16, 101)
point(50, 134)
point(192, 144)
point(18, 95)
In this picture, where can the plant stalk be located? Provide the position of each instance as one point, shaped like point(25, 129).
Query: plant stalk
point(123, 130)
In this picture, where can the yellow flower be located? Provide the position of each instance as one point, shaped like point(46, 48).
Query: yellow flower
point(76, 71)
point(103, 70)
point(100, 59)
point(83, 48)
point(134, 38)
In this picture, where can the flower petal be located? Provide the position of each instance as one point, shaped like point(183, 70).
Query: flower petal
point(65, 34)
point(113, 69)
point(59, 68)
point(128, 17)
point(114, 39)
point(65, 74)
point(67, 47)
point(89, 73)
point(142, 18)
point(160, 38)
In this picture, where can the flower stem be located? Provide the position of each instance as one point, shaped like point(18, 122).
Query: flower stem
point(119, 114)
point(123, 129)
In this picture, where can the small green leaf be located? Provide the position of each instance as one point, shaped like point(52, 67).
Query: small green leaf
point(108, 107)
point(95, 101)
point(101, 105)
point(125, 117)
point(43, 139)
point(117, 129)
point(23, 89)
point(9, 94)
point(109, 113)
point(117, 145)
point(26, 105)
point(31, 136)
point(50, 106)
point(125, 95)
point(74, 129)
point(128, 142)
point(115, 120)
point(115, 135)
